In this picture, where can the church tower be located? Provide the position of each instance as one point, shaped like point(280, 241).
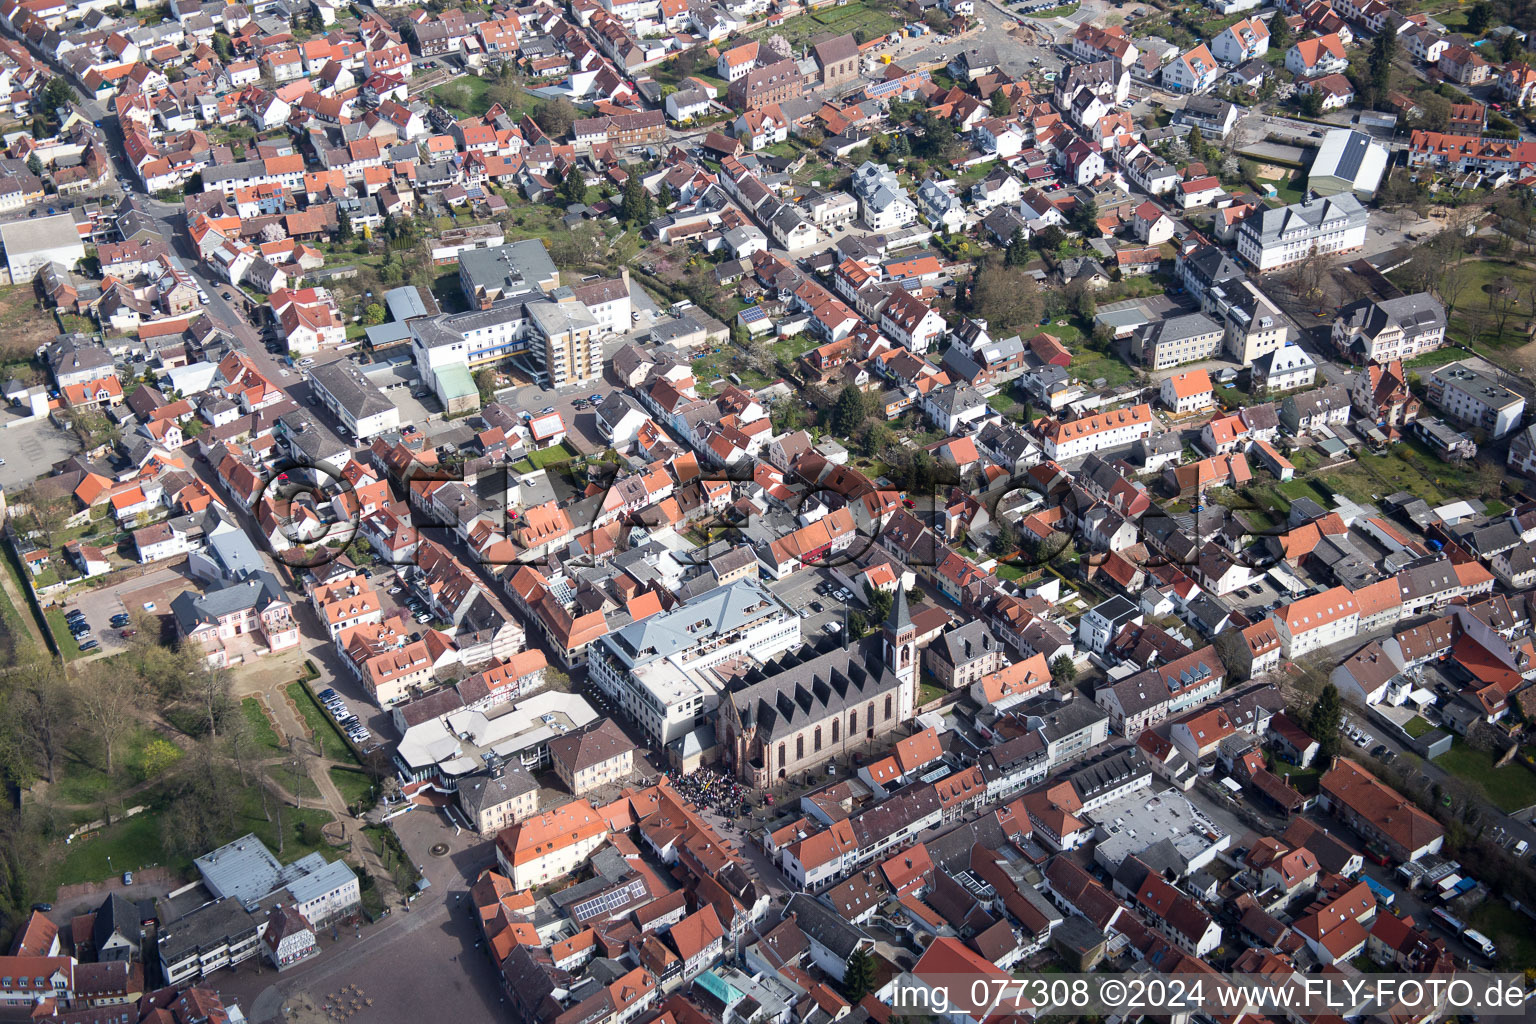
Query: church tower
point(898, 639)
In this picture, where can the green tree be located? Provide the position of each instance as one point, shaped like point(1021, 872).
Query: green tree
point(1007, 540)
point(1383, 53)
point(343, 226)
point(35, 165)
point(858, 974)
point(1279, 32)
point(1062, 670)
point(1085, 216)
point(1006, 297)
point(850, 411)
point(915, 594)
point(485, 383)
point(373, 314)
point(1310, 103)
point(574, 188)
point(880, 602)
point(156, 757)
point(857, 625)
point(636, 207)
point(1323, 722)
point(1017, 253)
point(556, 117)
point(1479, 18)
point(1001, 105)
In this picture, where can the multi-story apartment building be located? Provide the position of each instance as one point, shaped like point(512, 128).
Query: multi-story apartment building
point(1462, 153)
point(354, 399)
point(1079, 437)
point(1252, 324)
point(1242, 41)
point(1275, 238)
point(1316, 621)
point(763, 86)
point(1380, 332)
point(1179, 339)
point(1475, 399)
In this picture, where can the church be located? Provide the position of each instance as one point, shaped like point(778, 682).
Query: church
point(799, 710)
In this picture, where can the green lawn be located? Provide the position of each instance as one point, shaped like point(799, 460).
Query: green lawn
point(1286, 188)
point(1474, 320)
point(82, 779)
point(1410, 466)
point(1509, 788)
point(873, 18)
point(61, 635)
point(136, 843)
point(290, 780)
point(555, 455)
point(794, 347)
point(324, 731)
point(261, 729)
point(355, 786)
point(928, 691)
point(126, 846)
point(1510, 930)
point(1417, 727)
point(465, 96)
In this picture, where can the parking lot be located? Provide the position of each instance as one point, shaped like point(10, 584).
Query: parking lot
point(807, 589)
point(100, 605)
point(30, 449)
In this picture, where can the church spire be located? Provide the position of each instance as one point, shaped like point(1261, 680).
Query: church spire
point(900, 617)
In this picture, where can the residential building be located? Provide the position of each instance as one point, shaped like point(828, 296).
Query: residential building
point(1476, 399)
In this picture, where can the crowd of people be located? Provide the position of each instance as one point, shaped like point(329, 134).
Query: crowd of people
point(707, 787)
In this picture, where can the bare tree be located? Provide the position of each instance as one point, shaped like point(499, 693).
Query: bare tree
point(1502, 297)
point(1451, 282)
point(107, 698)
point(215, 686)
point(45, 514)
point(47, 709)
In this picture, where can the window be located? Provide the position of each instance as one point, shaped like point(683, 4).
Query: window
point(799, 747)
point(887, 707)
point(781, 755)
point(853, 721)
point(816, 747)
point(836, 725)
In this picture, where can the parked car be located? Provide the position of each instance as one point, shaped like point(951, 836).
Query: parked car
point(89, 645)
point(127, 877)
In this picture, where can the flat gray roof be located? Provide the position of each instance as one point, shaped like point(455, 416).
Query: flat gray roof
point(40, 234)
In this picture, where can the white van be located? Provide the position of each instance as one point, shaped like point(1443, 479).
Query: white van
point(1480, 942)
point(1521, 847)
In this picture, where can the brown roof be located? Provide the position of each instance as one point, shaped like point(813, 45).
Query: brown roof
point(594, 745)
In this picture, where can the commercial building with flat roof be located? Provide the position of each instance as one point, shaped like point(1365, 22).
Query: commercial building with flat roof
point(661, 669)
point(30, 245)
point(486, 275)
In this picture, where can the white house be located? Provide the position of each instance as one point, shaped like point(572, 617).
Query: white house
point(1241, 42)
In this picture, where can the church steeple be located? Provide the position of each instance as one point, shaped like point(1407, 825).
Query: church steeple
point(900, 618)
point(898, 646)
